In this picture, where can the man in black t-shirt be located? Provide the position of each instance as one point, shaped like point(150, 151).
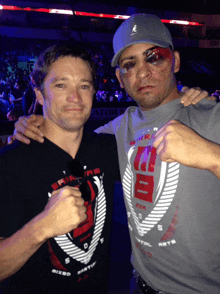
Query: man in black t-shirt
point(56, 198)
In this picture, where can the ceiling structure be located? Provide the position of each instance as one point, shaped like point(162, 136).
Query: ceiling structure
point(189, 6)
point(203, 65)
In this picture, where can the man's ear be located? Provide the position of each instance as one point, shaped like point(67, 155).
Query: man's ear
point(117, 73)
point(177, 61)
point(39, 96)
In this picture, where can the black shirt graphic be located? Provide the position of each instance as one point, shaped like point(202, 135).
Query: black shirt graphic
point(78, 261)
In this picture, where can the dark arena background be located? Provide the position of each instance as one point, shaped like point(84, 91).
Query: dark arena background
point(29, 27)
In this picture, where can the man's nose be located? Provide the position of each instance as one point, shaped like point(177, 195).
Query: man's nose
point(144, 70)
point(74, 96)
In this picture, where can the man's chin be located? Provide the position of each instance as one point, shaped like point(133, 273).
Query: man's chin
point(149, 105)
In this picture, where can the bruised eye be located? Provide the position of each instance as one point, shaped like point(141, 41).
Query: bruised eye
point(154, 58)
point(127, 66)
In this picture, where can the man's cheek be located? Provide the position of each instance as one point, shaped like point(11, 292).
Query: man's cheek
point(164, 76)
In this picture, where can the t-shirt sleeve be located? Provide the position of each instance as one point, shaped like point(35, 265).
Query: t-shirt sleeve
point(12, 207)
point(112, 153)
point(106, 129)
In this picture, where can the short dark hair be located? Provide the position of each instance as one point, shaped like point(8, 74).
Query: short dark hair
point(51, 54)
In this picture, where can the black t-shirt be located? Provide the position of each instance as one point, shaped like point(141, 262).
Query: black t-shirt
point(76, 262)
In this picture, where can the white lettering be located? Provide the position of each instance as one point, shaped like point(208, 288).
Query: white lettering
point(86, 268)
point(163, 244)
point(160, 228)
point(67, 260)
point(143, 242)
point(61, 273)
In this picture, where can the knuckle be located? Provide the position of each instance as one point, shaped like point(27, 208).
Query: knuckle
point(19, 137)
point(31, 117)
point(185, 88)
point(66, 189)
point(80, 201)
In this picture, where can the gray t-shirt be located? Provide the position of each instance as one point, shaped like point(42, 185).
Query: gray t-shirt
point(173, 210)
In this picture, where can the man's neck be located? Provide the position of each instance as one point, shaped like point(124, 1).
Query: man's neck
point(173, 95)
point(69, 141)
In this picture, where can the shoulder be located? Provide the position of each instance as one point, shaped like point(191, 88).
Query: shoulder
point(99, 138)
point(100, 144)
point(126, 116)
point(204, 106)
point(128, 112)
point(206, 110)
point(18, 152)
point(204, 118)
point(12, 149)
point(12, 159)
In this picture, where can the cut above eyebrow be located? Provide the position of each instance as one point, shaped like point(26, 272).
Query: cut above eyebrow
point(133, 56)
point(150, 49)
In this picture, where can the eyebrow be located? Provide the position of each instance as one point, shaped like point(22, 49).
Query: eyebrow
point(133, 56)
point(57, 79)
point(126, 58)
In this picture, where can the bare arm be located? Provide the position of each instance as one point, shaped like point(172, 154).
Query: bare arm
point(28, 127)
point(17, 249)
point(63, 213)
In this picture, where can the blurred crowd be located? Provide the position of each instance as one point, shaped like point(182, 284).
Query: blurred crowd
point(16, 94)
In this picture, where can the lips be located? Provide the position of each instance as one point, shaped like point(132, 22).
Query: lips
point(145, 88)
point(77, 109)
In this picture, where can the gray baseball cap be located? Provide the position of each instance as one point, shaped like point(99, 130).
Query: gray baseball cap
point(140, 28)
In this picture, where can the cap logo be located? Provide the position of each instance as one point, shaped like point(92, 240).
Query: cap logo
point(134, 30)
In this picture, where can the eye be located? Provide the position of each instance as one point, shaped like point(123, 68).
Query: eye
point(154, 58)
point(85, 87)
point(60, 86)
point(127, 66)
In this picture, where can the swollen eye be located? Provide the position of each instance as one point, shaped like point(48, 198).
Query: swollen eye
point(154, 57)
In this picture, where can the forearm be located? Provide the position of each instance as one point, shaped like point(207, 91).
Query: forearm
point(213, 160)
point(17, 249)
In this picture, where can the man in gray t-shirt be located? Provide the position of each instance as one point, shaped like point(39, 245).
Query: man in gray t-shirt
point(170, 166)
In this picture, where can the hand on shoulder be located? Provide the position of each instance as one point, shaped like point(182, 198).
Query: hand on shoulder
point(26, 128)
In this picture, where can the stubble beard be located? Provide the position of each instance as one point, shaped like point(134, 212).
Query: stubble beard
point(148, 102)
point(75, 124)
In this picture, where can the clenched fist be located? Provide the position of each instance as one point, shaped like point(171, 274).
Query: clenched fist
point(64, 211)
point(177, 142)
